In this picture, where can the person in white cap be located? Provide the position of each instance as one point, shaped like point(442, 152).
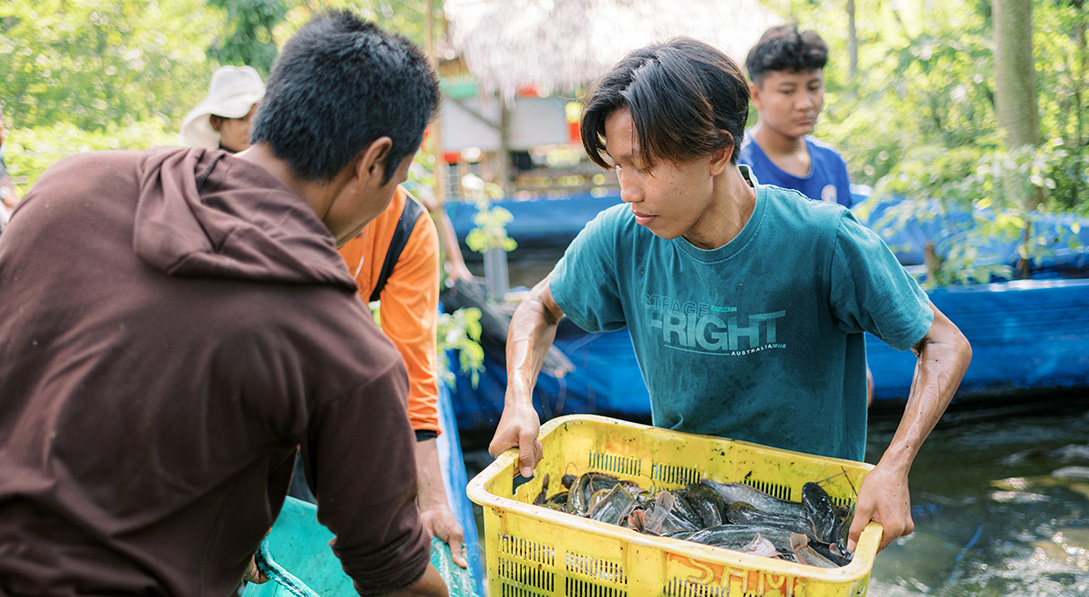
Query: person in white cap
point(222, 120)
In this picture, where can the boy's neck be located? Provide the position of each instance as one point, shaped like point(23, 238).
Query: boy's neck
point(790, 154)
point(776, 144)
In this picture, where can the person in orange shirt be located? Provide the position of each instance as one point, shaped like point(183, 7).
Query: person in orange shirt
point(395, 261)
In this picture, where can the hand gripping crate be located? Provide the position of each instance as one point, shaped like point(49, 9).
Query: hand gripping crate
point(532, 551)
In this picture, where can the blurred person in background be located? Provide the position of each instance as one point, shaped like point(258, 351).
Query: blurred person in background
point(223, 119)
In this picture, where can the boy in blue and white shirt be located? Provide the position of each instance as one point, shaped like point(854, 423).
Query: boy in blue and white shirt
point(786, 73)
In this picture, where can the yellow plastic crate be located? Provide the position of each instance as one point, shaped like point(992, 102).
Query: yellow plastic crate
point(537, 552)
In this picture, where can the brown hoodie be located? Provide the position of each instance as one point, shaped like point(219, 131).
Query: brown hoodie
point(174, 323)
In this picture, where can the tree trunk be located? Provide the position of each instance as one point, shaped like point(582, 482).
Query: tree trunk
point(1015, 90)
point(1015, 85)
point(436, 125)
point(852, 44)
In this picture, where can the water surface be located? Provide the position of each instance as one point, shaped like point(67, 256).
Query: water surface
point(1001, 508)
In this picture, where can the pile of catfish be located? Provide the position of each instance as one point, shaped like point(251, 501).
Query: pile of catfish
point(729, 515)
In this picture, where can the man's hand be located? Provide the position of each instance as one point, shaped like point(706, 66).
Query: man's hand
point(883, 498)
point(254, 574)
point(435, 513)
point(518, 428)
point(441, 523)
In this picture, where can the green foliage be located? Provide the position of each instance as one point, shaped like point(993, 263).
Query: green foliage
point(491, 229)
point(460, 331)
point(926, 78)
point(249, 36)
point(30, 152)
point(405, 17)
point(991, 206)
point(94, 63)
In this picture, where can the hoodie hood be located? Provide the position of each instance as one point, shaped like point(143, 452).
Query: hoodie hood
point(206, 214)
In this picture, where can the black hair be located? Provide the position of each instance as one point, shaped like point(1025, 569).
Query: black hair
point(339, 84)
point(784, 49)
point(687, 100)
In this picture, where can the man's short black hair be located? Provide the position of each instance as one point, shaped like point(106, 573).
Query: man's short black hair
point(339, 84)
point(784, 49)
point(687, 100)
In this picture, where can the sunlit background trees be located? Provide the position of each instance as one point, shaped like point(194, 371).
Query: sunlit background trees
point(914, 86)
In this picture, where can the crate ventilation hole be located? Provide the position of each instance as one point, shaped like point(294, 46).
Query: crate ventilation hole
point(611, 463)
point(596, 568)
point(678, 587)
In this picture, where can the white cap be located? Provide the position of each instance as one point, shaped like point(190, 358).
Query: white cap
point(233, 92)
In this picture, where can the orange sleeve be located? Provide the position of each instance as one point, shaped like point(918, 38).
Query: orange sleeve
point(409, 314)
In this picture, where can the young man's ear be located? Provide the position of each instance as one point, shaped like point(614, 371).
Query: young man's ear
point(721, 156)
point(754, 95)
point(371, 166)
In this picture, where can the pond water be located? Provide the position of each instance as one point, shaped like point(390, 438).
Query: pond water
point(1001, 507)
point(1000, 504)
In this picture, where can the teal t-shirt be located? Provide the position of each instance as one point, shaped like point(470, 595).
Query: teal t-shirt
point(759, 340)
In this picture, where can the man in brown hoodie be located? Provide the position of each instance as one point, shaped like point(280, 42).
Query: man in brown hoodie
point(177, 321)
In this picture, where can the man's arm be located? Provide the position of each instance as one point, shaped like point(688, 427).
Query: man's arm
point(532, 331)
point(409, 308)
point(435, 511)
point(943, 357)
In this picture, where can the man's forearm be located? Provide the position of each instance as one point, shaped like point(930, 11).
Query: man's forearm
point(532, 331)
point(943, 357)
point(430, 489)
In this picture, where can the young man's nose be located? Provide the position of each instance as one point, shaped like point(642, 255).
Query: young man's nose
point(629, 193)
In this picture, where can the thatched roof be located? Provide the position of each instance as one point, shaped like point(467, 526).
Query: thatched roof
point(562, 44)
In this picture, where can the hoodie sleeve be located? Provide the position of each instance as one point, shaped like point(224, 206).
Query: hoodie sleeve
point(368, 500)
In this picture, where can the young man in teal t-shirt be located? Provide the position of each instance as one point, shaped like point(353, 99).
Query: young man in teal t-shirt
point(746, 303)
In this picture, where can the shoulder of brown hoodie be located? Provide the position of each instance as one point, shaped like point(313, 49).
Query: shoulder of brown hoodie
point(186, 323)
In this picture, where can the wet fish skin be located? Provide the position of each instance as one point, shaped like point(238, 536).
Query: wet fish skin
point(599, 481)
point(614, 506)
point(683, 508)
point(821, 511)
point(736, 536)
point(761, 546)
point(675, 522)
point(743, 513)
point(542, 497)
point(706, 502)
point(740, 492)
point(831, 552)
point(577, 498)
point(558, 498)
point(596, 498)
point(660, 511)
point(843, 529)
point(805, 554)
